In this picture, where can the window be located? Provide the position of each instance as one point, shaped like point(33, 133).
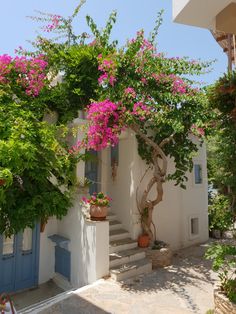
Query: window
point(198, 174)
point(194, 227)
point(115, 155)
point(27, 239)
point(8, 245)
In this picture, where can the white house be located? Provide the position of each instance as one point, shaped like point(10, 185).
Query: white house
point(181, 220)
point(76, 251)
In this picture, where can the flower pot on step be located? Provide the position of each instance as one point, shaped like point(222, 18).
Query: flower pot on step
point(143, 240)
point(98, 213)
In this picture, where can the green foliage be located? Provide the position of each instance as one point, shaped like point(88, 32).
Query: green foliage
point(222, 94)
point(220, 215)
point(222, 142)
point(102, 37)
point(34, 165)
point(224, 262)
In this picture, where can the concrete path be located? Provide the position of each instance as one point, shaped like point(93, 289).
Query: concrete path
point(185, 287)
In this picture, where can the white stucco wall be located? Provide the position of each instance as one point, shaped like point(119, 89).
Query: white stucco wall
point(89, 241)
point(173, 215)
point(46, 252)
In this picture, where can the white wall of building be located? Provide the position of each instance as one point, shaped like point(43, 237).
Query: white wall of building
point(47, 252)
point(172, 216)
point(88, 241)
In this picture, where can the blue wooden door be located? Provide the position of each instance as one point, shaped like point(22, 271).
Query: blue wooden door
point(91, 171)
point(19, 256)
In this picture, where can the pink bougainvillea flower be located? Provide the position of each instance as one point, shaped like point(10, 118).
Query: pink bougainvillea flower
point(105, 124)
point(130, 92)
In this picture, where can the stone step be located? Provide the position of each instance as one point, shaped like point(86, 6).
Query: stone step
point(118, 234)
point(115, 224)
point(111, 216)
point(131, 269)
point(122, 245)
point(120, 258)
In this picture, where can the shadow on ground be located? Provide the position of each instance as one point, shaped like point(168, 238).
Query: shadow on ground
point(189, 271)
point(74, 305)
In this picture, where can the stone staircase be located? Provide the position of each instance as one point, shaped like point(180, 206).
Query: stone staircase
point(126, 259)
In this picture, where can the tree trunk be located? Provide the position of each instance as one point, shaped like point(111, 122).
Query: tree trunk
point(145, 204)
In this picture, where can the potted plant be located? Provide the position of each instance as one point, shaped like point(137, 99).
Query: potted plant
point(224, 263)
point(160, 254)
point(99, 203)
point(143, 240)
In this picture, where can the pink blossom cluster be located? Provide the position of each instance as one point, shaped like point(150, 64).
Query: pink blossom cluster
point(197, 130)
point(98, 199)
point(105, 124)
point(129, 91)
point(147, 46)
point(5, 68)
point(178, 84)
point(55, 20)
point(141, 110)
point(107, 67)
point(28, 73)
point(75, 148)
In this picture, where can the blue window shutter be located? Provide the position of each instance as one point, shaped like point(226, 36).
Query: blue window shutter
point(115, 155)
point(197, 174)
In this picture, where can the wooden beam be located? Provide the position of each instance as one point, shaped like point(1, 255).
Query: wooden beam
point(223, 37)
point(230, 67)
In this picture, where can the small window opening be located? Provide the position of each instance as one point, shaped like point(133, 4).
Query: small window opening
point(194, 226)
point(198, 174)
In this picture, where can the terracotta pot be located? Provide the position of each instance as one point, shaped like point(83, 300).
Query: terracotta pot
point(98, 212)
point(143, 240)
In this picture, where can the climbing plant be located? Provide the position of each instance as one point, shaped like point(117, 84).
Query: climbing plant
point(134, 87)
point(36, 168)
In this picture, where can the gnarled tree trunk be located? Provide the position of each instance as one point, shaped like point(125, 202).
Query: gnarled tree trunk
point(144, 203)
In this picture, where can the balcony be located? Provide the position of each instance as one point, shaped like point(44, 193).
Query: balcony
point(211, 14)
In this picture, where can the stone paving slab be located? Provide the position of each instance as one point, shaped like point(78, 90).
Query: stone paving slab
point(183, 288)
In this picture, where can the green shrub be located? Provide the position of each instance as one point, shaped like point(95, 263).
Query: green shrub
point(220, 216)
point(224, 263)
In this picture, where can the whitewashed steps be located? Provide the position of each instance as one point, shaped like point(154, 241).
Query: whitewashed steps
point(118, 234)
point(123, 257)
point(121, 245)
point(115, 224)
point(126, 259)
point(142, 266)
point(111, 216)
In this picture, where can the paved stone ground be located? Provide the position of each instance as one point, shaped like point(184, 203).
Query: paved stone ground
point(35, 295)
point(185, 287)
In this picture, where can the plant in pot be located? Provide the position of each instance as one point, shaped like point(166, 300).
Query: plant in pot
point(144, 238)
point(99, 203)
point(224, 263)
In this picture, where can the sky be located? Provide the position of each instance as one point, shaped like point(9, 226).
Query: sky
point(175, 40)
